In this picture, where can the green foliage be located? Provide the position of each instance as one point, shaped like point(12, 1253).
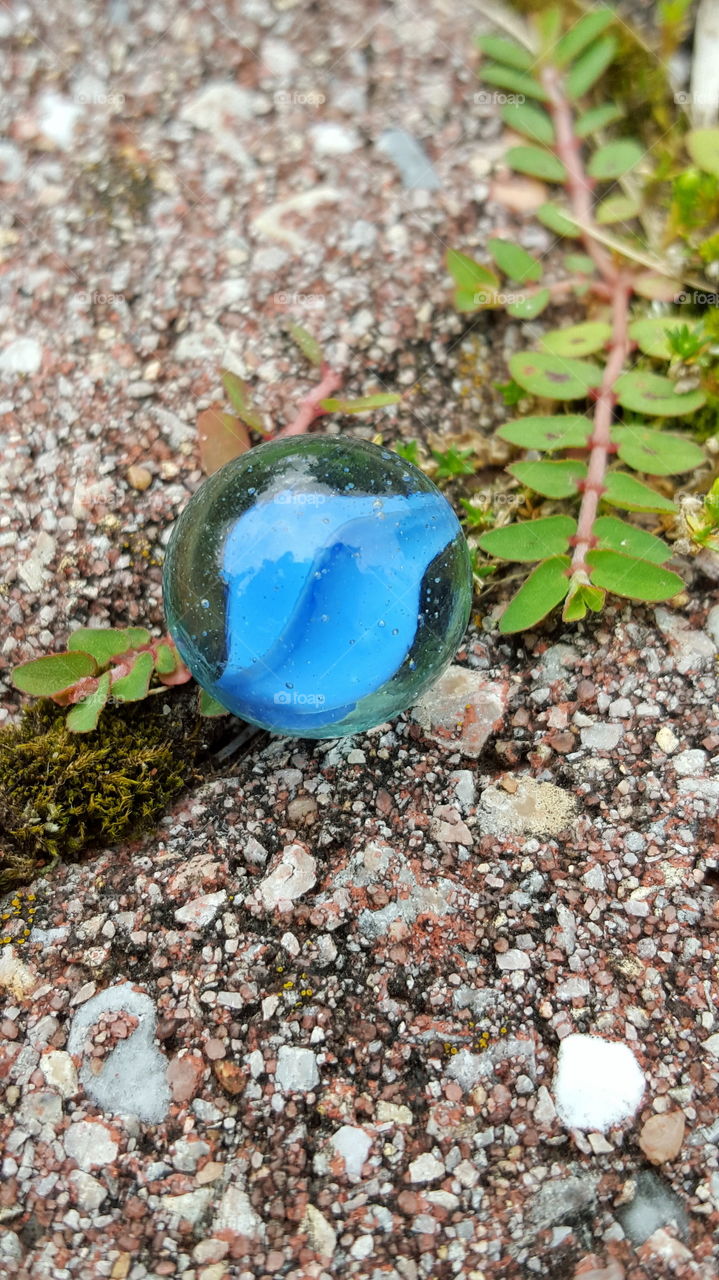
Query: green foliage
point(62, 792)
point(588, 457)
point(210, 707)
point(453, 462)
point(239, 398)
point(101, 665)
point(361, 404)
point(308, 345)
point(409, 450)
point(530, 539)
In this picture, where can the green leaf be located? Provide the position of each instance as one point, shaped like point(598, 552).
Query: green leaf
point(467, 273)
point(106, 643)
point(597, 118)
point(165, 659)
point(530, 539)
point(625, 491)
point(525, 118)
point(581, 34)
point(545, 587)
point(536, 163)
point(574, 606)
point(703, 147)
point(514, 261)
point(617, 208)
point(582, 597)
point(551, 479)
point(636, 579)
point(361, 404)
point(476, 517)
point(506, 51)
point(590, 66)
point(453, 462)
point(549, 26)
point(84, 715)
point(526, 308)
point(209, 706)
point(308, 345)
point(44, 677)
point(510, 392)
point(657, 287)
point(559, 431)
point(554, 377)
point(615, 159)
point(239, 398)
point(650, 334)
point(579, 263)
point(515, 81)
point(656, 452)
point(617, 535)
point(133, 687)
point(577, 339)
point(557, 220)
point(409, 450)
point(651, 393)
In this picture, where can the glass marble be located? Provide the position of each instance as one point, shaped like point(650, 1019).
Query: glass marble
point(316, 585)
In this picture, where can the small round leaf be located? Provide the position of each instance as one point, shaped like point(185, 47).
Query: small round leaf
point(635, 579)
point(616, 535)
point(577, 339)
point(530, 539)
point(557, 431)
point(650, 334)
point(536, 163)
point(44, 677)
point(529, 306)
point(514, 261)
point(651, 393)
point(83, 717)
point(545, 587)
point(525, 118)
point(656, 452)
point(554, 377)
point(629, 493)
point(615, 159)
point(551, 479)
point(134, 686)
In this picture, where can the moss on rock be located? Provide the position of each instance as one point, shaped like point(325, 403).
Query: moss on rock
point(62, 793)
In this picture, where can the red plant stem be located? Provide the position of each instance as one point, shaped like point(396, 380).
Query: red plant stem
point(600, 441)
point(618, 286)
point(579, 185)
point(310, 407)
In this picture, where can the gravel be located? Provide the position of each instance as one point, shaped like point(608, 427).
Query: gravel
point(313, 1024)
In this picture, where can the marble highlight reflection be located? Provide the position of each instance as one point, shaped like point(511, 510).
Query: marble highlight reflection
point(317, 585)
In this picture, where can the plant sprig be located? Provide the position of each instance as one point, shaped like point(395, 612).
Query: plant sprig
point(588, 366)
point(99, 666)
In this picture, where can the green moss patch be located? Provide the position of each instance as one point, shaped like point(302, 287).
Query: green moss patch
point(62, 793)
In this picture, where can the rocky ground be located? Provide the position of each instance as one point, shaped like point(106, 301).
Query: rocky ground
point(438, 1000)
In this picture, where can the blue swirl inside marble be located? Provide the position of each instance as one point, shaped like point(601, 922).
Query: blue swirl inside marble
point(320, 595)
point(323, 609)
